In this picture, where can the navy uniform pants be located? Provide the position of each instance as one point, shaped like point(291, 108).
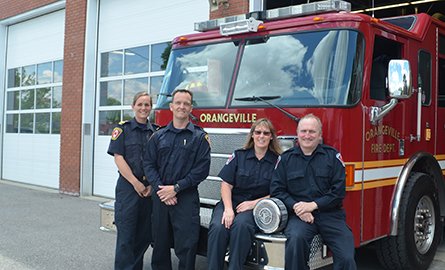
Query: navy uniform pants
point(178, 225)
point(334, 232)
point(133, 222)
point(238, 238)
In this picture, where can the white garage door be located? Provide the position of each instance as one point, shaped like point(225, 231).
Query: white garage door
point(132, 37)
point(33, 100)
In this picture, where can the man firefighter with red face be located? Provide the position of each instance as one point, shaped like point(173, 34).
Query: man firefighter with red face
point(310, 179)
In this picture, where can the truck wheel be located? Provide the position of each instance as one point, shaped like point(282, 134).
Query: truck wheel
point(419, 227)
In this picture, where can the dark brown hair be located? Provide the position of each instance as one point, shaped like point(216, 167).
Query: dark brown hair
point(182, 91)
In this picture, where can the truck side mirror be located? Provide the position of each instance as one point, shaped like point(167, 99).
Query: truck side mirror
point(399, 79)
point(399, 85)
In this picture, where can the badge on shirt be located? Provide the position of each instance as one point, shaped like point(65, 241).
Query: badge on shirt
point(207, 138)
point(116, 133)
point(340, 159)
point(230, 158)
point(278, 162)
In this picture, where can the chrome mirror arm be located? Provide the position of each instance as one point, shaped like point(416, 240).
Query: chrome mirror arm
point(378, 113)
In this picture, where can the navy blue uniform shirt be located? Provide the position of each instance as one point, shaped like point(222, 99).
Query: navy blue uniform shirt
point(130, 139)
point(177, 156)
point(249, 176)
point(319, 177)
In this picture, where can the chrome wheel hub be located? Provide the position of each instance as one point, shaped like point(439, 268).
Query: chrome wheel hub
point(424, 224)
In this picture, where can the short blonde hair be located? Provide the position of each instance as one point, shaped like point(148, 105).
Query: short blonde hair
point(312, 116)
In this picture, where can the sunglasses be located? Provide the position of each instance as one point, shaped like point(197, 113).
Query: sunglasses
point(265, 133)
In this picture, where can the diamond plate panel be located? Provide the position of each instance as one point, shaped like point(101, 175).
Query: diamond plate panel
point(210, 189)
point(206, 216)
point(226, 143)
point(222, 144)
point(216, 165)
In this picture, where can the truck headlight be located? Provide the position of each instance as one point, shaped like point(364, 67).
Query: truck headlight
point(270, 215)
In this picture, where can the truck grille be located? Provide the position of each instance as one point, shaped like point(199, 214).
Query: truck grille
point(223, 143)
point(227, 143)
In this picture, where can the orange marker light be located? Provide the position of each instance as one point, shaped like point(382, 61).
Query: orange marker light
point(318, 19)
point(427, 134)
point(261, 27)
point(350, 178)
point(182, 39)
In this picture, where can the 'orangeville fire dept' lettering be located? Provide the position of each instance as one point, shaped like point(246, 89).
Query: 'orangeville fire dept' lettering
point(380, 131)
point(227, 117)
point(383, 148)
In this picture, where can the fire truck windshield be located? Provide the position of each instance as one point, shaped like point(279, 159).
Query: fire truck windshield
point(204, 70)
point(322, 68)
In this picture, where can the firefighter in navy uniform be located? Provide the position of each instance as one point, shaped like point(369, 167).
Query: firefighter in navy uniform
point(133, 205)
point(176, 161)
point(246, 180)
point(310, 180)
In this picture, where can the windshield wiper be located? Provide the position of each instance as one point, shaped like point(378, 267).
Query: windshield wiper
point(265, 100)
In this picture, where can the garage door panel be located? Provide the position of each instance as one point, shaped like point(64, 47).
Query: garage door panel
point(144, 22)
point(106, 173)
point(37, 168)
point(33, 158)
point(128, 24)
point(36, 41)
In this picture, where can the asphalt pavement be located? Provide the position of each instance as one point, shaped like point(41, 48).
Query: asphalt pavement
point(41, 229)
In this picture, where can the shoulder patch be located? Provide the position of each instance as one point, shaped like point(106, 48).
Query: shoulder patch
point(207, 138)
point(117, 131)
point(338, 156)
point(230, 158)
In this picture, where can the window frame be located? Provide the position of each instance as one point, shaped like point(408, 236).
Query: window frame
point(123, 106)
point(17, 112)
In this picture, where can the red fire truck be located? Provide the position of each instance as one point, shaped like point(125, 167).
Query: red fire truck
point(378, 86)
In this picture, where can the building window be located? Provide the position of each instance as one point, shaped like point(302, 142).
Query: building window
point(123, 73)
point(136, 60)
point(34, 98)
point(44, 72)
point(28, 75)
point(159, 54)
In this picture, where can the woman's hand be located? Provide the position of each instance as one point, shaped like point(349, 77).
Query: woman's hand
point(227, 218)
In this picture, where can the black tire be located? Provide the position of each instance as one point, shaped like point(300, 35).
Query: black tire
point(419, 227)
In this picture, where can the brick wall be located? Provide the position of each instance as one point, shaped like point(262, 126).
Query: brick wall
point(14, 7)
point(226, 8)
point(71, 125)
